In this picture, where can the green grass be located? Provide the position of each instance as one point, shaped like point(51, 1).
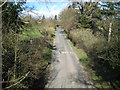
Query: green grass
point(86, 61)
point(81, 54)
point(31, 32)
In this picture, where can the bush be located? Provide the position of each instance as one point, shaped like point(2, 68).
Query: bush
point(27, 54)
point(104, 55)
point(84, 37)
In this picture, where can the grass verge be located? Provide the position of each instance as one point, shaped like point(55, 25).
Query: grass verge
point(85, 60)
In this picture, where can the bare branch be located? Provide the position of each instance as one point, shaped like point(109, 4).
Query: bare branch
point(23, 77)
point(3, 3)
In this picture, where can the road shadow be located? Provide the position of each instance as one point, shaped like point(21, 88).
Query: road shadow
point(54, 47)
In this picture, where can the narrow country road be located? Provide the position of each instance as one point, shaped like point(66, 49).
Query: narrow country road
point(66, 70)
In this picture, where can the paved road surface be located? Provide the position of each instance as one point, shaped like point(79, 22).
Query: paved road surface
point(66, 70)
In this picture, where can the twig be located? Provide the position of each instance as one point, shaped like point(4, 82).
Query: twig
point(18, 81)
point(3, 3)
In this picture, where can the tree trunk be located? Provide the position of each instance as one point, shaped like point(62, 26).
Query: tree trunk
point(109, 34)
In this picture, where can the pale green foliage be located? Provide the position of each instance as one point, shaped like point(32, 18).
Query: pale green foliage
point(85, 37)
point(67, 18)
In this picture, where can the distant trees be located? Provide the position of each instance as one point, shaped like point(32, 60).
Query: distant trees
point(55, 17)
point(68, 19)
point(43, 17)
point(11, 21)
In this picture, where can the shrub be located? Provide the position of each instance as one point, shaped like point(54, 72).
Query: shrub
point(84, 37)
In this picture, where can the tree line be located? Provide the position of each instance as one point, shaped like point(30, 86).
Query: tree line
point(26, 48)
point(94, 27)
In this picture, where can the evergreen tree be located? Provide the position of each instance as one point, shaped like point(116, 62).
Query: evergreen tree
point(43, 18)
point(10, 16)
point(55, 17)
point(11, 24)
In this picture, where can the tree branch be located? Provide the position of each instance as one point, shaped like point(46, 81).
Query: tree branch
point(23, 77)
point(3, 3)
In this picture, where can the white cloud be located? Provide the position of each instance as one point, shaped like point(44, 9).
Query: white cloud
point(53, 7)
point(47, 14)
point(48, 0)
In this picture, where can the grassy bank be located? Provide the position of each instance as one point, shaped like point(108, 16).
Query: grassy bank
point(36, 32)
point(86, 61)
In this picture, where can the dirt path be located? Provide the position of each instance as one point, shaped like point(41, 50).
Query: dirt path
point(66, 70)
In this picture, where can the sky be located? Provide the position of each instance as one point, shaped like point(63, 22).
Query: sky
point(48, 8)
